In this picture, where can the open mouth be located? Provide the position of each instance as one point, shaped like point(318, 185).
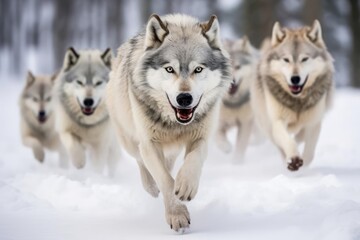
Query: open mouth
point(87, 110)
point(42, 119)
point(297, 89)
point(233, 88)
point(184, 115)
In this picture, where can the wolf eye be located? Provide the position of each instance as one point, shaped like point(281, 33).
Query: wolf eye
point(35, 99)
point(79, 82)
point(48, 99)
point(198, 70)
point(98, 83)
point(169, 69)
point(237, 67)
point(304, 59)
point(286, 60)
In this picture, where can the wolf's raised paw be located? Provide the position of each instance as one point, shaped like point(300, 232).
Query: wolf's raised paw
point(186, 185)
point(178, 217)
point(295, 163)
point(39, 154)
point(225, 146)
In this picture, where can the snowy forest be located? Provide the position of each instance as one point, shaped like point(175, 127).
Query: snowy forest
point(34, 34)
point(260, 194)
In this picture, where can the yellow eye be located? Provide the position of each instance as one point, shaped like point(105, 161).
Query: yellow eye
point(198, 70)
point(169, 69)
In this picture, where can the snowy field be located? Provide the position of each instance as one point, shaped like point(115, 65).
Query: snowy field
point(258, 199)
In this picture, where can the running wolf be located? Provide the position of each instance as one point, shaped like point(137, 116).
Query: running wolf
point(163, 96)
point(82, 118)
point(235, 109)
point(37, 117)
point(293, 91)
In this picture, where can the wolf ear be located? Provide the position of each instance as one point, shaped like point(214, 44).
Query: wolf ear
point(278, 34)
point(30, 79)
point(211, 31)
point(71, 58)
point(246, 46)
point(54, 76)
point(106, 56)
point(314, 33)
point(156, 31)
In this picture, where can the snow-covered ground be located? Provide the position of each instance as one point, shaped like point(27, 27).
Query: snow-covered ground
point(258, 199)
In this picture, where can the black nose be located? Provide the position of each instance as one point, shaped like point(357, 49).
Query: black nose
point(42, 113)
point(184, 99)
point(88, 102)
point(295, 80)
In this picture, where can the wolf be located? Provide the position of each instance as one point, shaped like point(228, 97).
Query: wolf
point(82, 117)
point(37, 117)
point(293, 90)
point(235, 109)
point(163, 97)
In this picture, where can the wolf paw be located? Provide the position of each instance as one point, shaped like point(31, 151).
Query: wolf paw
point(186, 185)
point(295, 163)
point(79, 160)
point(178, 217)
point(39, 154)
point(225, 146)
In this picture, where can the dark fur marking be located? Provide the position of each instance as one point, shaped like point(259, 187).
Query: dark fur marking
point(244, 98)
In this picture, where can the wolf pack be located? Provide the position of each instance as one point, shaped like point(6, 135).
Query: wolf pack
point(169, 91)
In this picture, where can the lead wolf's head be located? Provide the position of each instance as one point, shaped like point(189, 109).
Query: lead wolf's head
point(184, 66)
point(37, 96)
point(244, 58)
point(297, 57)
point(83, 78)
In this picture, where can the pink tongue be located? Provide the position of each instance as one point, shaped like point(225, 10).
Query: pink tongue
point(295, 88)
point(184, 113)
point(88, 110)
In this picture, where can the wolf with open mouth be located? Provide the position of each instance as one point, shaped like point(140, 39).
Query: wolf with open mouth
point(293, 90)
point(163, 96)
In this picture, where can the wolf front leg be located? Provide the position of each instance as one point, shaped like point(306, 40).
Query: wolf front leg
point(287, 145)
point(176, 213)
point(74, 149)
point(221, 139)
point(188, 177)
point(242, 141)
point(36, 147)
point(311, 136)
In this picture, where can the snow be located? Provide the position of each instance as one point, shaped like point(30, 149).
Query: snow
point(255, 199)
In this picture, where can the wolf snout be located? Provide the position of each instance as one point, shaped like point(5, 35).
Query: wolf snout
point(42, 116)
point(184, 99)
point(88, 102)
point(295, 80)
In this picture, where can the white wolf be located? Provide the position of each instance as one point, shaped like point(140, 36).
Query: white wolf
point(163, 96)
point(293, 90)
point(37, 117)
point(82, 118)
point(235, 109)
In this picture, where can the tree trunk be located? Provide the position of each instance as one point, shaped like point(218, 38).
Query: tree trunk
point(354, 21)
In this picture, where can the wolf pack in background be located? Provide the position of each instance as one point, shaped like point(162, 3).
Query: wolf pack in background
point(37, 122)
point(169, 90)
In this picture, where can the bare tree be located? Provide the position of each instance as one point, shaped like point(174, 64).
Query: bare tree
point(354, 22)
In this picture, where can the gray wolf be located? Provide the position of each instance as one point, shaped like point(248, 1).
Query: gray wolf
point(82, 118)
point(293, 90)
point(235, 109)
point(37, 117)
point(163, 96)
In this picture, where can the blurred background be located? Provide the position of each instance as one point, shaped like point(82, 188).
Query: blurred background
point(34, 34)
